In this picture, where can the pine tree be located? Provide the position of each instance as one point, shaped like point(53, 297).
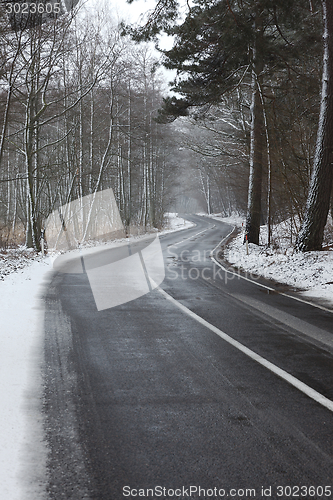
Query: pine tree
point(311, 234)
point(221, 44)
point(217, 45)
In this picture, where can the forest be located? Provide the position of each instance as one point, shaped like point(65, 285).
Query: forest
point(77, 116)
point(245, 127)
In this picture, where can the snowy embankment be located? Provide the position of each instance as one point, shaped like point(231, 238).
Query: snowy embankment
point(175, 223)
point(311, 272)
point(21, 468)
point(23, 454)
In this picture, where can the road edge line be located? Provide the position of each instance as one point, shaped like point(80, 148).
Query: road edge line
point(260, 284)
point(305, 389)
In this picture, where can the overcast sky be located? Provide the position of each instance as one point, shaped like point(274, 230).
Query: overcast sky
point(120, 8)
point(132, 13)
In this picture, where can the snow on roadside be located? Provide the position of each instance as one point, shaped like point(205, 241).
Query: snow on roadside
point(235, 219)
point(174, 223)
point(23, 454)
point(312, 272)
point(12, 260)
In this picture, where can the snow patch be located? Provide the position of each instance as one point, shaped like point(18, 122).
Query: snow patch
point(173, 223)
point(312, 272)
point(14, 259)
point(234, 219)
point(22, 451)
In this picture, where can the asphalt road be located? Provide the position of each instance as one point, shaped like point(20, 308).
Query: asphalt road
point(145, 395)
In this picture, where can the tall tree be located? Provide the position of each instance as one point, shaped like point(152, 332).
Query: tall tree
point(220, 45)
point(80, 118)
point(311, 234)
point(257, 144)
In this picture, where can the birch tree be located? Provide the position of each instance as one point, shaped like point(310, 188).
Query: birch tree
point(80, 120)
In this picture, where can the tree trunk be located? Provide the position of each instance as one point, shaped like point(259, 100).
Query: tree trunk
point(129, 159)
point(311, 234)
point(33, 226)
point(257, 138)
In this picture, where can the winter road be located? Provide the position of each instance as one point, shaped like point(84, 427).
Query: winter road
point(209, 387)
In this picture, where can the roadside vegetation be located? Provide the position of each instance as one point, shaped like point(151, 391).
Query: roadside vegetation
point(248, 126)
point(256, 78)
point(77, 107)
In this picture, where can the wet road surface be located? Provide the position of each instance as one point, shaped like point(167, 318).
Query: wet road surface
point(143, 400)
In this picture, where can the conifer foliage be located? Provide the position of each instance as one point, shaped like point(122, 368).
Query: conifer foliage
point(222, 44)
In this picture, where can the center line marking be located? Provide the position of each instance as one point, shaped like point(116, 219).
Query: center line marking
point(316, 396)
point(193, 236)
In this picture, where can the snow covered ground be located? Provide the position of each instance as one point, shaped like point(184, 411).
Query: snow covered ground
point(174, 223)
point(312, 272)
point(13, 260)
point(23, 454)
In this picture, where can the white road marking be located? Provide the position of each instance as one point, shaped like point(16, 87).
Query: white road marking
point(291, 321)
point(316, 396)
point(243, 277)
point(260, 284)
point(193, 236)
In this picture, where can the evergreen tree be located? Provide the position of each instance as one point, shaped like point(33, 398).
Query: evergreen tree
point(311, 234)
point(222, 43)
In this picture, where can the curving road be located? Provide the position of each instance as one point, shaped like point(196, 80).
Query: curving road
point(210, 382)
